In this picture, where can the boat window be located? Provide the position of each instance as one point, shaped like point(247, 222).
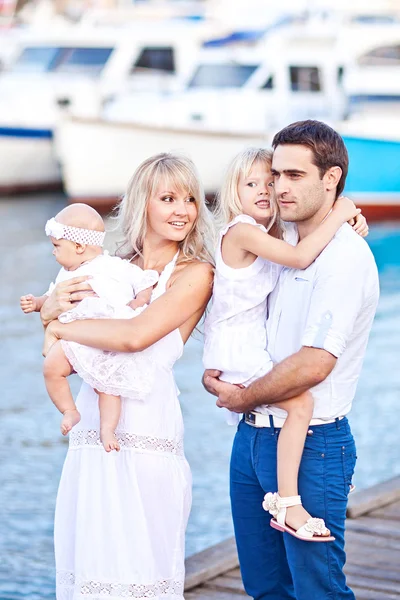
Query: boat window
point(222, 76)
point(159, 59)
point(305, 79)
point(89, 61)
point(384, 55)
point(37, 59)
point(269, 84)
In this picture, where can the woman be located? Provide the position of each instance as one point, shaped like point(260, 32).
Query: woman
point(120, 518)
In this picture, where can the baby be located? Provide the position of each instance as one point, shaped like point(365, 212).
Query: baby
point(123, 290)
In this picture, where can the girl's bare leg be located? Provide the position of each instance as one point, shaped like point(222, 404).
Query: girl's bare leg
point(56, 369)
point(110, 410)
point(290, 450)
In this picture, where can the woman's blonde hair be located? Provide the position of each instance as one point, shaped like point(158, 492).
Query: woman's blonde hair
point(228, 205)
point(181, 174)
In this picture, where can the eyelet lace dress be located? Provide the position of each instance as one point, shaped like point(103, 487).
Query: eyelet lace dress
point(121, 517)
point(116, 282)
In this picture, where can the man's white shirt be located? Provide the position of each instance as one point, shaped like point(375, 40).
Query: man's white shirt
point(330, 305)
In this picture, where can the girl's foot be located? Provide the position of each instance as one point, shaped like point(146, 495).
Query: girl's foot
point(69, 420)
point(297, 516)
point(108, 439)
point(313, 530)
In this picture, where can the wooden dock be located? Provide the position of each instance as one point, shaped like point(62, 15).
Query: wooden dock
point(372, 545)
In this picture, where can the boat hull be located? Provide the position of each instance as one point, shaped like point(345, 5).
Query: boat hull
point(374, 176)
point(27, 161)
point(99, 157)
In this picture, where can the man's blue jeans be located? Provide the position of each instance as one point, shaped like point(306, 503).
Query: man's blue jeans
point(275, 565)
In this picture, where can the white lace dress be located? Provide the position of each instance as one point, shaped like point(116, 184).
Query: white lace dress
point(116, 282)
point(121, 517)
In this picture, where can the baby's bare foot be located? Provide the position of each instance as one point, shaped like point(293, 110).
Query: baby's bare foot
point(108, 439)
point(69, 420)
point(297, 516)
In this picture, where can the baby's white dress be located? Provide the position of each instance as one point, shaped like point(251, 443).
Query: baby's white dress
point(116, 282)
point(121, 516)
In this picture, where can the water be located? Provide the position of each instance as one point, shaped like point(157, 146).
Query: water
point(32, 449)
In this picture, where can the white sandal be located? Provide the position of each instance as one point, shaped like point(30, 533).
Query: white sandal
point(314, 530)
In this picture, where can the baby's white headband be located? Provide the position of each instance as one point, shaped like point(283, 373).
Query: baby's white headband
point(74, 234)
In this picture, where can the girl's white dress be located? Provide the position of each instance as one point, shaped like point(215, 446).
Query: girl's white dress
point(121, 517)
point(116, 282)
point(235, 327)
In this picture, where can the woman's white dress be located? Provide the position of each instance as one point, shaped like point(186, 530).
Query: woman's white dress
point(121, 517)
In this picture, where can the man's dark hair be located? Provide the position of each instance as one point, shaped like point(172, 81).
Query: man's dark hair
point(325, 143)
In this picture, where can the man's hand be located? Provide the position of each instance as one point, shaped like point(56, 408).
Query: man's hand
point(229, 396)
point(209, 376)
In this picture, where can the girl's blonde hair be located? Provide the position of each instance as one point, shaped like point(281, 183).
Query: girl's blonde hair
point(181, 174)
point(228, 205)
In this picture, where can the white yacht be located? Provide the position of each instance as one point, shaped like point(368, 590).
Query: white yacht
point(79, 66)
point(237, 95)
point(371, 129)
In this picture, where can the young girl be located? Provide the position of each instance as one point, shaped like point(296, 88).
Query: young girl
point(77, 234)
point(247, 270)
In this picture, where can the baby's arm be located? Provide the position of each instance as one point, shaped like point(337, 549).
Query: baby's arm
point(142, 298)
point(31, 303)
point(142, 284)
point(256, 241)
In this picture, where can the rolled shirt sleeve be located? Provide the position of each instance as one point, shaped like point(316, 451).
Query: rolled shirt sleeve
point(336, 301)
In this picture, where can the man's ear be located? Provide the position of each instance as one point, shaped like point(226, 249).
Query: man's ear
point(332, 178)
point(80, 248)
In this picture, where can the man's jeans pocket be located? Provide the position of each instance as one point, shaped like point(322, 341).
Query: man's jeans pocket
point(349, 459)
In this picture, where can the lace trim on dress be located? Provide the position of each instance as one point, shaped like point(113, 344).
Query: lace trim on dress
point(113, 373)
point(166, 587)
point(91, 437)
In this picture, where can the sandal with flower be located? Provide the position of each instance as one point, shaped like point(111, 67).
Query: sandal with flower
point(314, 530)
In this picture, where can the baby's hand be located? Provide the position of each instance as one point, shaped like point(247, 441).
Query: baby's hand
point(360, 225)
point(142, 298)
point(136, 302)
point(346, 208)
point(28, 303)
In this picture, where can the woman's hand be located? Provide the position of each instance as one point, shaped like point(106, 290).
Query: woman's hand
point(64, 296)
point(345, 209)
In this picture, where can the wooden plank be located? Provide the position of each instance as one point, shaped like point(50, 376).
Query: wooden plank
point(226, 583)
point(203, 593)
point(368, 540)
point(378, 585)
point(378, 527)
point(392, 511)
point(364, 501)
point(210, 563)
point(363, 594)
point(385, 560)
point(373, 572)
point(234, 573)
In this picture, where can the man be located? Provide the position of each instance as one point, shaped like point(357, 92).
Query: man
point(318, 327)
